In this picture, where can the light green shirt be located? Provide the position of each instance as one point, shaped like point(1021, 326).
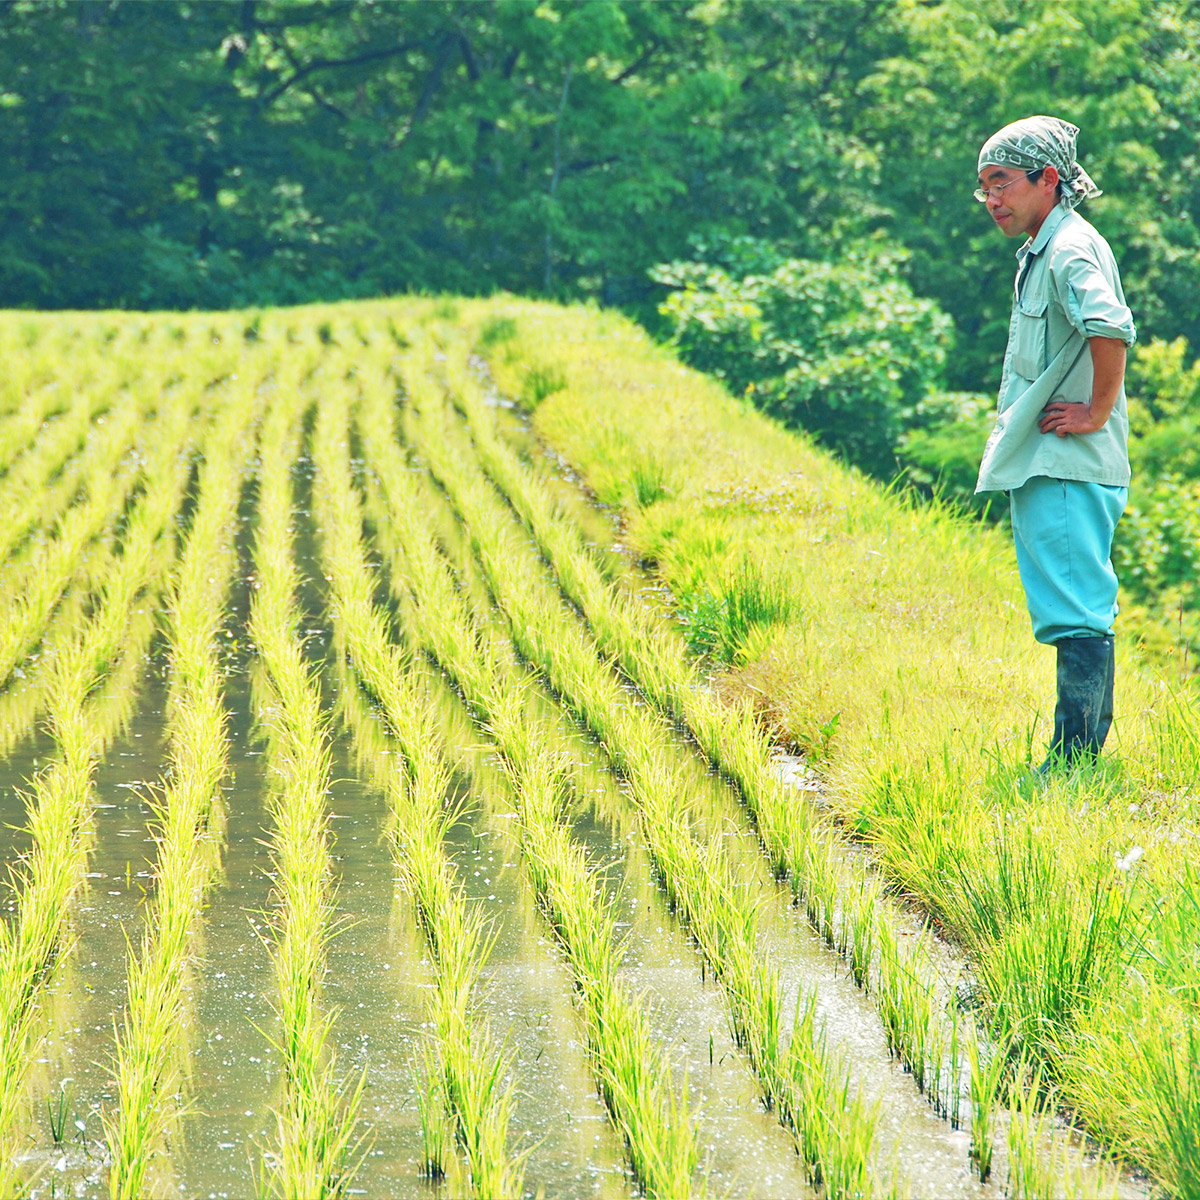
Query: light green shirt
point(1067, 290)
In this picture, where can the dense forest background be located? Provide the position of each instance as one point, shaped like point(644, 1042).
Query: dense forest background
point(781, 187)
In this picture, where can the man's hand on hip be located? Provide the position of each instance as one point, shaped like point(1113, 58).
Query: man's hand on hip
point(1108, 373)
point(1062, 418)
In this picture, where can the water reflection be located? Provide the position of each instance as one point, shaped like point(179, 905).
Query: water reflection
point(524, 990)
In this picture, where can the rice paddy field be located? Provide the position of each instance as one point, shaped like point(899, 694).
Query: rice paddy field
point(450, 749)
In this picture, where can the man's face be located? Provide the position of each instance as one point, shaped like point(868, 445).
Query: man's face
point(1021, 206)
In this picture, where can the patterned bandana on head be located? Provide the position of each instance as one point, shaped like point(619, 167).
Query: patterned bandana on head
point(1037, 142)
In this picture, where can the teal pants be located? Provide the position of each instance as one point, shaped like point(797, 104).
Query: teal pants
point(1063, 531)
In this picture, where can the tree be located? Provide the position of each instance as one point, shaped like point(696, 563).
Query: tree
point(1122, 70)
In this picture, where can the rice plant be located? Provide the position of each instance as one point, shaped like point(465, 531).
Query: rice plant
point(436, 1131)
point(66, 454)
point(473, 1070)
point(148, 1046)
point(58, 1111)
point(698, 878)
point(39, 585)
point(82, 722)
point(314, 1154)
point(989, 1068)
point(1044, 1164)
point(634, 1079)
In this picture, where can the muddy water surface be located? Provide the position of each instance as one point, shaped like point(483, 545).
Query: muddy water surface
point(930, 1156)
point(379, 974)
point(744, 1150)
point(71, 1077)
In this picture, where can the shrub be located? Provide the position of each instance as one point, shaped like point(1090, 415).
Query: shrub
point(940, 452)
point(845, 350)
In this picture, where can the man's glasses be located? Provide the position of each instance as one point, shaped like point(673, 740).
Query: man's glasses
point(994, 192)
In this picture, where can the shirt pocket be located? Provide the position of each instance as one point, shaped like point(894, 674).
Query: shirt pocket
point(1029, 338)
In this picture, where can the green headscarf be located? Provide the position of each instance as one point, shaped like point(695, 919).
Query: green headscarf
point(1036, 142)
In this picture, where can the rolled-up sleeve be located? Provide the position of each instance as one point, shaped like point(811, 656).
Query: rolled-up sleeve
point(1089, 299)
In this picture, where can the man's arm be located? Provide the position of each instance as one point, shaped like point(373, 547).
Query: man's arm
point(1108, 373)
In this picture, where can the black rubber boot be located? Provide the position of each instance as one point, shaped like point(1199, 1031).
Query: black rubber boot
point(1084, 712)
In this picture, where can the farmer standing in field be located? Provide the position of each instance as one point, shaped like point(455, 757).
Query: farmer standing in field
point(1060, 444)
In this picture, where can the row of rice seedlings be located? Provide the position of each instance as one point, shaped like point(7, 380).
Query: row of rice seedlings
point(34, 585)
point(55, 563)
point(313, 1154)
point(634, 1077)
point(62, 355)
point(929, 1036)
point(90, 384)
point(415, 828)
point(43, 481)
point(113, 701)
point(701, 881)
point(187, 814)
point(30, 400)
point(105, 455)
point(60, 803)
point(850, 913)
point(37, 586)
point(36, 391)
point(22, 701)
point(73, 349)
point(471, 1069)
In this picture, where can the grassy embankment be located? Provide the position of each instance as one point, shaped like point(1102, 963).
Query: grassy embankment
point(889, 642)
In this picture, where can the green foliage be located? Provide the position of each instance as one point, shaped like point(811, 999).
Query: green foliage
point(942, 447)
point(1166, 386)
point(844, 349)
point(720, 623)
point(1156, 550)
point(541, 380)
point(495, 330)
point(1159, 536)
point(228, 153)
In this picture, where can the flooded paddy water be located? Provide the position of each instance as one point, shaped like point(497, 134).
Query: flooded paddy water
point(380, 974)
point(750, 1154)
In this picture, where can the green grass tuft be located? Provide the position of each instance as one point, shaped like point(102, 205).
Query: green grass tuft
point(540, 380)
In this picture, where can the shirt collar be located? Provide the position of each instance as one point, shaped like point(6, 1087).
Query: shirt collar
point(1037, 244)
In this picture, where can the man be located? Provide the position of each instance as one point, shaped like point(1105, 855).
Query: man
point(1060, 444)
